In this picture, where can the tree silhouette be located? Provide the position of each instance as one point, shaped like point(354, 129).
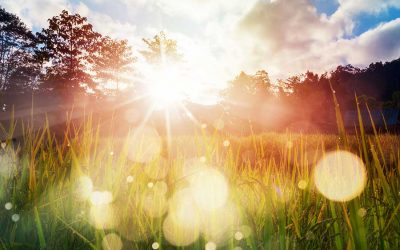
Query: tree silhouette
point(248, 88)
point(262, 84)
point(112, 62)
point(395, 102)
point(239, 88)
point(19, 62)
point(69, 43)
point(160, 49)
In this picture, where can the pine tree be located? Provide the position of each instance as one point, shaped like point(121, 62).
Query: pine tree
point(70, 44)
point(19, 60)
point(113, 63)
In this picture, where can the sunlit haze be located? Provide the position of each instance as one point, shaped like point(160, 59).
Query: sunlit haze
point(199, 124)
point(224, 37)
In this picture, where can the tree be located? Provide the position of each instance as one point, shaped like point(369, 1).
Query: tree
point(112, 62)
point(19, 62)
point(249, 88)
point(160, 49)
point(262, 84)
point(69, 43)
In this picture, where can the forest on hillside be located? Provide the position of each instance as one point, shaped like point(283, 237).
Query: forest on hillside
point(70, 58)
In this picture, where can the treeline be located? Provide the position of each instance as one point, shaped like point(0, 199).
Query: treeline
point(306, 100)
point(67, 56)
point(70, 56)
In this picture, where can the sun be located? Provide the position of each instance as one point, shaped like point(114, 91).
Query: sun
point(167, 87)
point(170, 88)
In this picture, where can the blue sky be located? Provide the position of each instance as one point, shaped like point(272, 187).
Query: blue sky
point(366, 22)
point(223, 37)
point(326, 6)
point(363, 21)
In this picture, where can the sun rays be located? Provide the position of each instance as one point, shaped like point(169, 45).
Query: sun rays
point(167, 87)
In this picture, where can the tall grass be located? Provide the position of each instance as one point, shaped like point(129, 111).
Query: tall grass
point(270, 180)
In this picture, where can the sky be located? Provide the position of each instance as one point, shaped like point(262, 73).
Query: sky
point(220, 38)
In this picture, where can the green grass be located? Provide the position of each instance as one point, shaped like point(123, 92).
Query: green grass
point(263, 173)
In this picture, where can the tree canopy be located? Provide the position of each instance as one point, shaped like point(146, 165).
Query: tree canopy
point(19, 61)
point(113, 63)
point(160, 49)
point(69, 55)
point(69, 43)
point(247, 88)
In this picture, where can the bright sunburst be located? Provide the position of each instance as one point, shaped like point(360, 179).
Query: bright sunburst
point(166, 87)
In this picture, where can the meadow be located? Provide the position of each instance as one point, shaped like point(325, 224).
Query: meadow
point(149, 124)
point(84, 190)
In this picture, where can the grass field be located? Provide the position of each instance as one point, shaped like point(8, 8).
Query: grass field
point(208, 191)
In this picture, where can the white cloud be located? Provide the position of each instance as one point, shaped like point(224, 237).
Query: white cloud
point(293, 25)
point(379, 44)
point(106, 25)
point(282, 34)
point(290, 37)
point(222, 37)
point(349, 10)
point(35, 13)
point(199, 10)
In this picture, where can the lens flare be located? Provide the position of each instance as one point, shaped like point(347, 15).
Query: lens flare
point(111, 242)
point(155, 245)
point(8, 206)
point(177, 234)
point(183, 210)
point(145, 145)
point(340, 176)
point(130, 179)
point(302, 184)
point(15, 217)
point(83, 188)
point(239, 236)
point(167, 86)
point(102, 212)
point(155, 205)
point(182, 225)
point(210, 189)
point(101, 198)
point(218, 225)
point(211, 246)
point(103, 216)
